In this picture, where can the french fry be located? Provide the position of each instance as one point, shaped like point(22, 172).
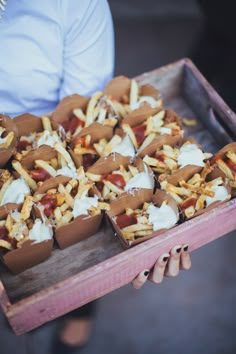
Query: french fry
point(127, 129)
point(134, 89)
point(46, 123)
point(27, 207)
point(4, 188)
point(7, 141)
point(225, 169)
point(24, 174)
point(90, 108)
point(45, 165)
point(137, 227)
point(68, 198)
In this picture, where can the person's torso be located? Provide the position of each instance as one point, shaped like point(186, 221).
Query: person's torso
point(31, 56)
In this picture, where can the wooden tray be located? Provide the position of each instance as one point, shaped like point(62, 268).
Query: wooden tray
point(98, 265)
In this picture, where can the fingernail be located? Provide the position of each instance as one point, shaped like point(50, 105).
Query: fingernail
point(146, 273)
point(178, 250)
point(185, 248)
point(165, 259)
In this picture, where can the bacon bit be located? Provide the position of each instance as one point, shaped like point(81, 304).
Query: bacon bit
point(188, 202)
point(159, 157)
point(214, 159)
point(49, 202)
point(72, 124)
point(232, 166)
point(89, 160)
point(22, 145)
point(40, 174)
point(116, 179)
point(81, 141)
point(139, 132)
point(4, 233)
point(100, 186)
point(125, 220)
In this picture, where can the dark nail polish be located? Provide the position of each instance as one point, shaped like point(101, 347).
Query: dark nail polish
point(178, 250)
point(185, 248)
point(146, 273)
point(165, 259)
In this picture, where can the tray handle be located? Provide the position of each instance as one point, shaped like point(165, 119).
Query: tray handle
point(225, 134)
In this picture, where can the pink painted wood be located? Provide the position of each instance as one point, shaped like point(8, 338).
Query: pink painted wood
point(104, 277)
point(110, 275)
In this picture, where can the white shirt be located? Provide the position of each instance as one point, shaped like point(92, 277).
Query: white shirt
point(53, 48)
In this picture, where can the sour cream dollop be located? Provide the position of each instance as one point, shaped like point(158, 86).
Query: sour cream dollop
point(40, 232)
point(82, 205)
point(162, 218)
point(145, 99)
point(67, 171)
point(190, 154)
point(16, 192)
point(141, 180)
point(221, 194)
point(125, 148)
point(47, 139)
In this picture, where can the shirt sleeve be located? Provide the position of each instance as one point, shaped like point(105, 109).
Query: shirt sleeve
point(88, 58)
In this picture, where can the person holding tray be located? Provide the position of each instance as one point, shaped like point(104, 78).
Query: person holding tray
point(51, 49)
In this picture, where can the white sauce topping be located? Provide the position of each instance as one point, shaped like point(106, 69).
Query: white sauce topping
point(164, 130)
point(190, 154)
point(47, 139)
point(40, 232)
point(162, 218)
point(82, 205)
point(125, 148)
point(67, 171)
point(221, 194)
point(141, 180)
point(16, 192)
point(144, 99)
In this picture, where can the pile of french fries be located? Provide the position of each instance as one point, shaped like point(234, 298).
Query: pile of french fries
point(110, 186)
point(196, 193)
point(227, 165)
point(163, 122)
point(165, 160)
point(59, 203)
point(48, 136)
point(75, 151)
point(61, 164)
point(143, 221)
point(16, 228)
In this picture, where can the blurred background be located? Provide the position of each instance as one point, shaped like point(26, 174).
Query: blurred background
point(194, 313)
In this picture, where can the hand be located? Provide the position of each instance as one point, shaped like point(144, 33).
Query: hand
point(166, 265)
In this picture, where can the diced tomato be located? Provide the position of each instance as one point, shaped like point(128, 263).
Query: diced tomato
point(214, 159)
point(139, 132)
point(232, 166)
point(49, 202)
point(159, 157)
point(116, 179)
point(125, 220)
point(22, 145)
point(89, 160)
point(100, 186)
point(188, 202)
point(80, 141)
point(3, 233)
point(40, 174)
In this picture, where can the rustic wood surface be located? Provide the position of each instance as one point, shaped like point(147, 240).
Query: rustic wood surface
point(98, 265)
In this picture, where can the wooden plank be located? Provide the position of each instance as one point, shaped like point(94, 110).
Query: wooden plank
point(117, 271)
point(94, 267)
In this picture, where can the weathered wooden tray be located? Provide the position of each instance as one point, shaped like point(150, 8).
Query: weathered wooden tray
point(98, 265)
